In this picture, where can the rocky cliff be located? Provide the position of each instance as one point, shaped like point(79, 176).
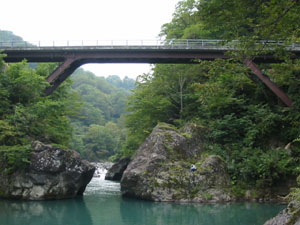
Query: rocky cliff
point(54, 173)
point(160, 169)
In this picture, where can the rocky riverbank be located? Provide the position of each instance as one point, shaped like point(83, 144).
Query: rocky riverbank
point(288, 216)
point(54, 173)
point(160, 171)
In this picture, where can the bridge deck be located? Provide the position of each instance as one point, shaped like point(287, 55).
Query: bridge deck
point(99, 54)
point(143, 51)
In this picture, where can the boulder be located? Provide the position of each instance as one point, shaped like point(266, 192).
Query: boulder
point(53, 173)
point(160, 169)
point(116, 171)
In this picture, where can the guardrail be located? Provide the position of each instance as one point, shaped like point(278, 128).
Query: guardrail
point(172, 43)
point(110, 43)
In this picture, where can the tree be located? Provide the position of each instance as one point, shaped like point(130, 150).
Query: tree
point(166, 95)
point(252, 20)
point(185, 23)
point(98, 133)
point(27, 115)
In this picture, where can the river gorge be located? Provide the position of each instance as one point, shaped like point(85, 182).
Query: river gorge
point(102, 203)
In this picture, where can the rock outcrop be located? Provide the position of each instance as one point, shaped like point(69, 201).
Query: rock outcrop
point(53, 173)
point(116, 171)
point(288, 216)
point(160, 169)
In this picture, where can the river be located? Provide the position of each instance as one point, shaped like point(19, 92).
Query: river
point(102, 204)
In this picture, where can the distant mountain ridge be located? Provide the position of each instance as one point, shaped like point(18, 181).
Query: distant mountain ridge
point(6, 35)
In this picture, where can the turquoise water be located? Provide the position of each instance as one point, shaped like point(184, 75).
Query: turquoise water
point(102, 204)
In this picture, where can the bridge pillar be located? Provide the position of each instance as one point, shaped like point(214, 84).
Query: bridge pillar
point(61, 73)
point(266, 80)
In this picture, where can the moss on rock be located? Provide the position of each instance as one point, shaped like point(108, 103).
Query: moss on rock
point(160, 170)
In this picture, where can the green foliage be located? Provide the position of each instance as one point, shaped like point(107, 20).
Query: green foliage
point(268, 20)
point(207, 196)
point(186, 23)
point(101, 100)
point(126, 83)
point(163, 96)
point(256, 166)
point(93, 107)
point(14, 158)
point(85, 117)
point(247, 128)
point(294, 195)
point(251, 21)
point(101, 142)
point(241, 119)
point(26, 115)
point(99, 131)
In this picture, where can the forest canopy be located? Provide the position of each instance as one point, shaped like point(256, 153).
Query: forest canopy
point(84, 113)
point(98, 128)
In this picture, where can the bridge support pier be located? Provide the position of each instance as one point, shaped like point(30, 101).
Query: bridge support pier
point(61, 73)
point(266, 80)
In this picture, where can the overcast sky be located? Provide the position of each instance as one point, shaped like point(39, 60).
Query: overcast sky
point(36, 20)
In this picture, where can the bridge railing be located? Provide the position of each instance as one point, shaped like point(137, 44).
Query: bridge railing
point(172, 43)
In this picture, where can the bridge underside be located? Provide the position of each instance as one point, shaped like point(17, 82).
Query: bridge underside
point(72, 58)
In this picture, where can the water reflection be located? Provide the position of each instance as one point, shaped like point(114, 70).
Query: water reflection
point(62, 212)
point(103, 200)
point(102, 204)
point(142, 212)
